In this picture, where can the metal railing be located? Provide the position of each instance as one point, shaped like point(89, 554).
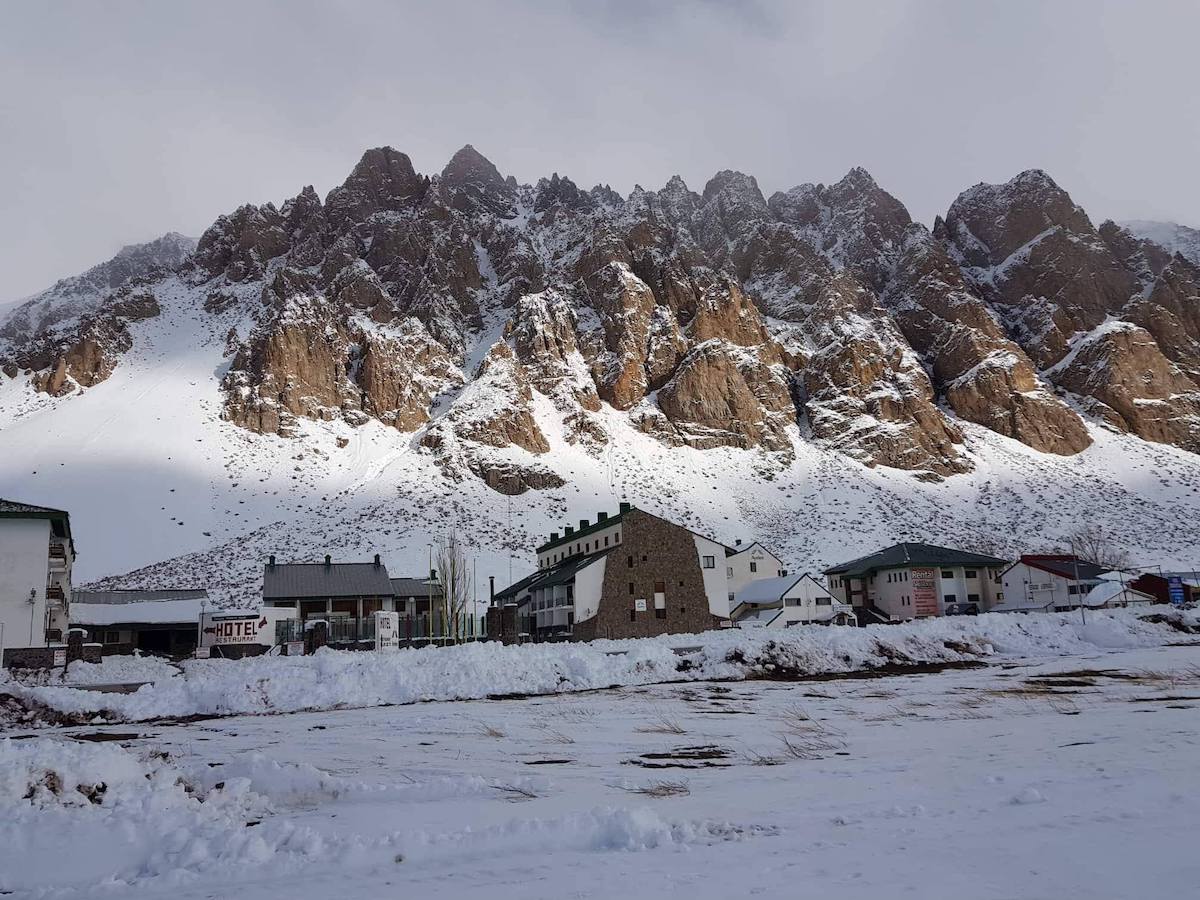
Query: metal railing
point(422, 628)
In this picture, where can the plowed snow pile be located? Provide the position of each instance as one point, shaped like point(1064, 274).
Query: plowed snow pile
point(333, 679)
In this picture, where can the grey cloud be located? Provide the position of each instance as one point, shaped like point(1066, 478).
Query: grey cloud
point(122, 120)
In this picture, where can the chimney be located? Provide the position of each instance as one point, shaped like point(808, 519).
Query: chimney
point(377, 560)
point(601, 517)
point(492, 589)
point(328, 560)
point(271, 561)
point(582, 524)
point(553, 536)
point(624, 507)
point(433, 574)
point(568, 531)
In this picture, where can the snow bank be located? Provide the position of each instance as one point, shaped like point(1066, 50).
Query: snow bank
point(332, 679)
point(120, 817)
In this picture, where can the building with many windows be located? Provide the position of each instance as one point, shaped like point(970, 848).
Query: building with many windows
point(632, 574)
point(909, 580)
point(1050, 581)
point(36, 554)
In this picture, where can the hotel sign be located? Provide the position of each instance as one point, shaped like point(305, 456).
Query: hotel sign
point(924, 591)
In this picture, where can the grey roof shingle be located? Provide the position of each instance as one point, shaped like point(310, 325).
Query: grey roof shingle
point(415, 587)
point(138, 596)
point(15, 507)
point(297, 581)
point(909, 554)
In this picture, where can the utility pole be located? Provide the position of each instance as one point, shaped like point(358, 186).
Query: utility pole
point(1078, 594)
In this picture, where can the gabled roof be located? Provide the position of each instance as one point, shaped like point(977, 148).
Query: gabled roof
point(910, 554)
point(138, 596)
point(60, 519)
point(183, 612)
point(557, 574)
point(735, 550)
point(767, 590)
point(291, 581)
point(415, 587)
point(1064, 566)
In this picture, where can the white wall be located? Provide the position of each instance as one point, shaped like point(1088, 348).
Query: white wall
point(24, 566)
point(588, 543)
point(589, 583)
point(767, 564)
point(716, 581)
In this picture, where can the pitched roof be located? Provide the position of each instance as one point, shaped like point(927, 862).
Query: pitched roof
point(138, 596)
point(557, 574)
point(415, 587)
point(288, 581)
point(1064, 566)
point(150, 612)
point(909, 554)
point(571, 537)
point(767, 590)
point(60, 519)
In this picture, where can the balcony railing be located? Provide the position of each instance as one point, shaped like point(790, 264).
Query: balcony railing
point(58, 551)
point(54, 592)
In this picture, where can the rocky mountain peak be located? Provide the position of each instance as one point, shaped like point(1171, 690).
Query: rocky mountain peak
point(384, 179)
point(474, 184)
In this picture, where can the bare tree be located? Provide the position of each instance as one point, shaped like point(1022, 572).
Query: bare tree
point(1094, 544)
point(454, 573)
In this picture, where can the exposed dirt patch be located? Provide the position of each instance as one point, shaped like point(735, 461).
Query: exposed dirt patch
point(699, 757)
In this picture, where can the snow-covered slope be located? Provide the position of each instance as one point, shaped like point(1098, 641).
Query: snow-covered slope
point(1175, 238)
point(416, 354)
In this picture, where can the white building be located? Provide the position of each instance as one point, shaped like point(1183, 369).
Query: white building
point(909, 581)
point(1108, 590)
point(631, 575)
point(36, 554)
point(788, 600)
point(745, 564)
point(1049, 581)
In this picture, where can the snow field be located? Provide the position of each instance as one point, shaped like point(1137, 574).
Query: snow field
point(338, 679)
point(1068, 777)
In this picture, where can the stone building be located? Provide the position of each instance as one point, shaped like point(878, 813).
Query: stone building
point(632, 574)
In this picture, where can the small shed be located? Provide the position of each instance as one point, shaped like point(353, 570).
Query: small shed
point(165, 622)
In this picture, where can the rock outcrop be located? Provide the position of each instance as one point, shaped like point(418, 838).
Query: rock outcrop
point(472, 311)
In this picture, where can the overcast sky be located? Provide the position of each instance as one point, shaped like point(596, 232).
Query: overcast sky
point(120, 121)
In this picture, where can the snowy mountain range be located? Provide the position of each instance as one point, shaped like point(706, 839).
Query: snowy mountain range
point(414, 353)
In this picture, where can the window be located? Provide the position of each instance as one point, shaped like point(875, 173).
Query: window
point(587, 548)
point(711, 563)
point(631, 588)
point(753, 567)
point(617, 539)
point(633, 615)
point(643, 557)
point(950, 598)
point(660, 613)
point(969, 573)
point(946, 573)
point(972, 598)
point(824, 601)
point(631, 562)
point(660, 587)
point(681, 582)
point(112, 637)
point(1072, 589)
point(605, 541)
point(729, 571)
point(999, 596)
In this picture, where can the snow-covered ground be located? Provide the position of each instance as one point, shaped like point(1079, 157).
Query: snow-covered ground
point(1064, 777)
point(334, 680)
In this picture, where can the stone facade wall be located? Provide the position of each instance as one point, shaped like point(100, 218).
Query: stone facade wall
point(652, 550)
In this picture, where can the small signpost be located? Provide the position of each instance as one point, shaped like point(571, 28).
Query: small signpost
point(640, 604)
point(60, 657)
point(387, 630)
